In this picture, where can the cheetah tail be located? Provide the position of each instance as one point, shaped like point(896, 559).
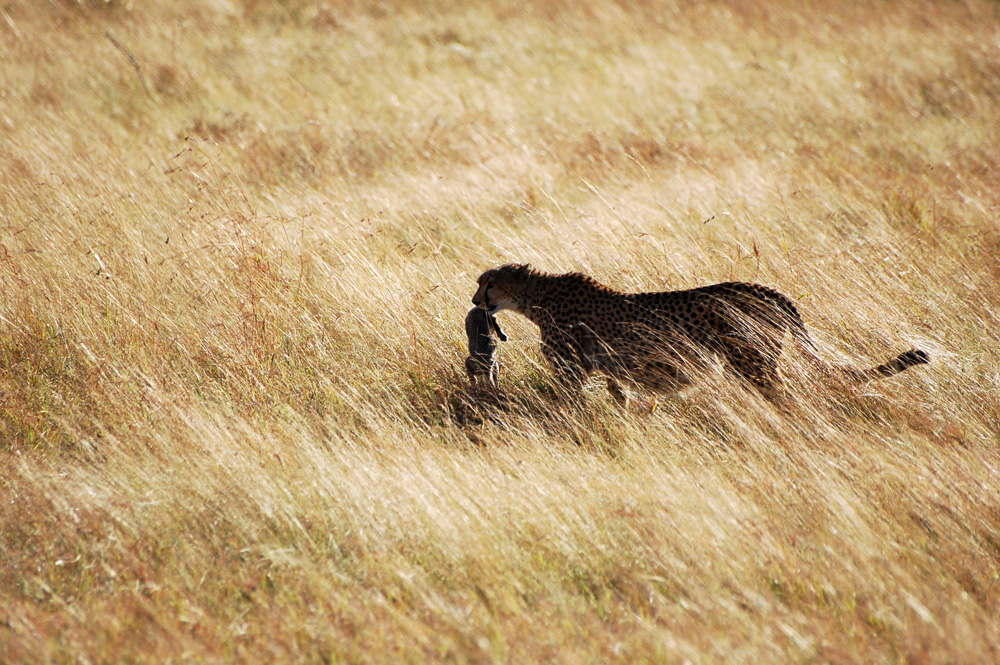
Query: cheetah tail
point(901, 362)
point(892, 367)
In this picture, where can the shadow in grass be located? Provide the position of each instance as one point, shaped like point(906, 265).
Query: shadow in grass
point(532, 403)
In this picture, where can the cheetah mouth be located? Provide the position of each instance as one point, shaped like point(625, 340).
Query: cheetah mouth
point(490, 308)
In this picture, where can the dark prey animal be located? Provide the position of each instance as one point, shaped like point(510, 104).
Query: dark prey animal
point(483, 331)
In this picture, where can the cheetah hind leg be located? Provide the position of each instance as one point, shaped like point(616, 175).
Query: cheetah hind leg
point(760, 369)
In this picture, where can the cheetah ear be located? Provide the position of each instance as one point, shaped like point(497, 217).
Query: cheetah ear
point(496, 326)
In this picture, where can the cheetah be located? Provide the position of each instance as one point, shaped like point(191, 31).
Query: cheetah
point(659, 341)
point(483, 331)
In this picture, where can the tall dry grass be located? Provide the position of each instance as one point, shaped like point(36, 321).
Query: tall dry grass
point(238, 241)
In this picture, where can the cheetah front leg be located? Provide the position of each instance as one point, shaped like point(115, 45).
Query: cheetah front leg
point(570, 375)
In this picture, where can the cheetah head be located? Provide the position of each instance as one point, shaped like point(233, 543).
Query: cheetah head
point(502, 288)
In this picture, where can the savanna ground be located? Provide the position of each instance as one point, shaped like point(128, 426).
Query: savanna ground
point(238, 241)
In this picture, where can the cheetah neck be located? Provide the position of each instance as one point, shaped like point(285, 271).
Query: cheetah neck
point(533, 296)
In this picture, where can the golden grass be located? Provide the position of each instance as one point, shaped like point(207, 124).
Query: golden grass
point(237, 244)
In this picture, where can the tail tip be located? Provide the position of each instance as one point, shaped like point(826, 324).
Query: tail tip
point(915, 357)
